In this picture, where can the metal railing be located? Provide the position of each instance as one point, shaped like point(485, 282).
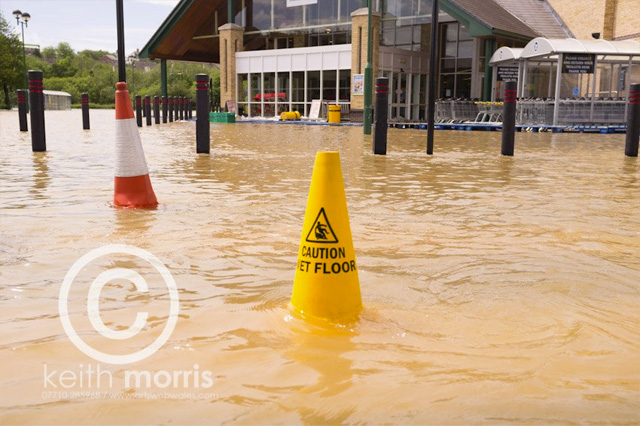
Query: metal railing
point(539, 111)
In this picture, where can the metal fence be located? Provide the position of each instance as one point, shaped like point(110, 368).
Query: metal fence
point(538, 111)
point(583, 111)
point(534, 111)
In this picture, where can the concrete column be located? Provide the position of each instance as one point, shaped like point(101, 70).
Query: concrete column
point(359, 39)
point(231, 41)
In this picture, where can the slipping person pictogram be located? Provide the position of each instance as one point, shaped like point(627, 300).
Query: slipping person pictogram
point(321, 231)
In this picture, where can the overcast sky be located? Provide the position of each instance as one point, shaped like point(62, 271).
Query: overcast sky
point(88, 24)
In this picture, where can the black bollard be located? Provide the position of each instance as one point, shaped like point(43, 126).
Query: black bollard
point(633, 122)
point(381, 112)
point(147, 109)
point(509, 118)
point(85, 111)
point(170, 102)
point(202, 114)
point(181, 108)
point(164, 109)
point(156, 109)
point(189, 108)
point(22, 110)
point(176, 108)
point(36, 104)
point(139, 110)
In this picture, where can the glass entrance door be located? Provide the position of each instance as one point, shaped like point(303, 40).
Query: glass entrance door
point(399, 96)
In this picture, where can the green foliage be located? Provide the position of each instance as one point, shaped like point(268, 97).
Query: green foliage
point(35, 63)
point(49, 52)
point(11, 67)
point(64, 50)
point(64, 67)
point(84, 72)
point(96, 55)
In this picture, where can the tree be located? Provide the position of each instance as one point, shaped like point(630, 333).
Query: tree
point(49, 52)
point(63, 67)
point(10, 60)
point(64, 50)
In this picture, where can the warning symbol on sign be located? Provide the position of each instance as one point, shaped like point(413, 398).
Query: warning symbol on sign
point(321, 231)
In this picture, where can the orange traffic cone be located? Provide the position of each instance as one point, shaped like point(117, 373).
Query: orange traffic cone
point(132, 187)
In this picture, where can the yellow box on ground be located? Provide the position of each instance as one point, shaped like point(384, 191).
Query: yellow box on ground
point(326, 284)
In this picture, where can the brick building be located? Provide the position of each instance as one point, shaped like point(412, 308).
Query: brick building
point(613, 19)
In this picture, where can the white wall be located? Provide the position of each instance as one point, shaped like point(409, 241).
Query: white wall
point(297, 59)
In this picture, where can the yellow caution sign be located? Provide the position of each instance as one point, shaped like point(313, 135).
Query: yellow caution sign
point(326, 284)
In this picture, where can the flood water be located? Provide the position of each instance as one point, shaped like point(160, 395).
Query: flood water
point(496, 290)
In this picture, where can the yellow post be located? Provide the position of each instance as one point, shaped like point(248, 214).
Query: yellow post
point(326, 283)
point(334, 114)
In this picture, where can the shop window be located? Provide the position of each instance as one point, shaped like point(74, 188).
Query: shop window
point(243, 87)
point(297, 86)
point(346, 7)
point(283, 42)
point(256, 86)
point(286, 16)
point(269, 92)
point(260, 15)
point(329, 84)
point(283, 87)
point(313, 85)
point(324, 12)
point(456, 63)
point(345, 85)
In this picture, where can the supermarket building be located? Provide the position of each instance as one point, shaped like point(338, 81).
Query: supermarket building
point(281, 55)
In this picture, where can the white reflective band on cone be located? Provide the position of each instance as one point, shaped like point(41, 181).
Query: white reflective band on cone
point(130, 159)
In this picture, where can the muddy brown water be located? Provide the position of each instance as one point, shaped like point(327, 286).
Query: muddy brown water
point(496, 290)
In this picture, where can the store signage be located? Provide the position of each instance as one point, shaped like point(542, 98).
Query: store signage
point(357, 87)
point(578, 63)
point(293, 3)
point(507, 74)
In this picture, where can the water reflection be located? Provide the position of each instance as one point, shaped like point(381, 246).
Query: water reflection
point(630, 174)
point(132, 224)
point(506, 165)
point(41, 178)
point(326, 351)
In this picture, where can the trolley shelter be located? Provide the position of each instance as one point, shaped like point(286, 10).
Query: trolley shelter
point(507, 67)
point(569, 81)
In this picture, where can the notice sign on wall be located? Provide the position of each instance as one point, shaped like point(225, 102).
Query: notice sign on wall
point(357, 86)
point(578, 64)
point(293, 3)
point(507, 74)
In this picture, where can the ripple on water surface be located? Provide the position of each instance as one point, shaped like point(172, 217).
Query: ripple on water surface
point(496, 290)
